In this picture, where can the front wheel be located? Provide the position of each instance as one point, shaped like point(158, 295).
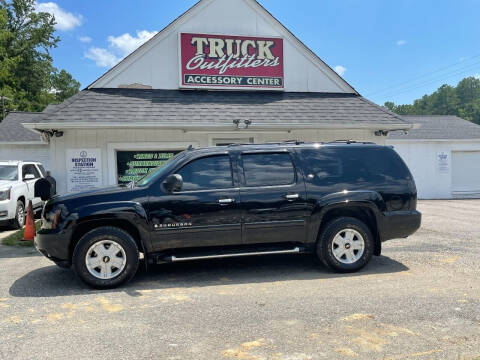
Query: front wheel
point(106, 257)
point(19, 220)
point(345, 245)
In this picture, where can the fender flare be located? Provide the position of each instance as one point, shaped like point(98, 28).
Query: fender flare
point(131, 214)
point(370, 200)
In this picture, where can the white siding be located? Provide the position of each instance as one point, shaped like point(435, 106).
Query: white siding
point(26, 152)
point(421, 157)
point(155, 139)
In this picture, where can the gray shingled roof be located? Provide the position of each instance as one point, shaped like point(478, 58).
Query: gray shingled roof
point(51, 108)
point(219, 107)
point(438, 127)
point(12, 130)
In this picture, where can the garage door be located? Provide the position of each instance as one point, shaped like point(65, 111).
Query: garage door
point(466, 173)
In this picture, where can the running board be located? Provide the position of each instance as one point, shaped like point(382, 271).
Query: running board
point(219, 256)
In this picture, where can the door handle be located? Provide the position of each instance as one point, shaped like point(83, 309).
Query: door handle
point(225, 201)
point(291, 197)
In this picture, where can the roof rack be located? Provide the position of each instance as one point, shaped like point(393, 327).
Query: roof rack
point(296, 142)
point(349, 142)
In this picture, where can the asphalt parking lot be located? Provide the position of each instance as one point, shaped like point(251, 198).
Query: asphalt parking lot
point(419, 300)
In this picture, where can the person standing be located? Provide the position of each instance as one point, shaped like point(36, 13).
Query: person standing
point(53, 183)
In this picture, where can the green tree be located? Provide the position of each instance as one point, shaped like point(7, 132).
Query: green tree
point(64, 85)
point(27, 75)
point(462, 100)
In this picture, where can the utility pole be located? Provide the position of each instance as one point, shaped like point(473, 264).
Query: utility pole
point(4, 110)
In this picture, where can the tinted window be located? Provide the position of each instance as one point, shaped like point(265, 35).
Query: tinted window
point(268, 169)
point(30, 170)
point(214, 172)
point(354, 164)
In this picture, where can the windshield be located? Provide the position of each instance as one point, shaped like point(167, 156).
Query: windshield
point(8, 172)
point(154, 173)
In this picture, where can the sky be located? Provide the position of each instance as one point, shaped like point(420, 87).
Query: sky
point(387, 50)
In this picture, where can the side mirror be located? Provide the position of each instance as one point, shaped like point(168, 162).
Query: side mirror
point(43, 189)
point(29, 177)
point(173, 183)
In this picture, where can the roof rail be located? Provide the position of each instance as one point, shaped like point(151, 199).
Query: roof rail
point(350, 142)
point(296, 142)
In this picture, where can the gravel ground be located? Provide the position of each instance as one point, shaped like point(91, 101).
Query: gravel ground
point(419, 300)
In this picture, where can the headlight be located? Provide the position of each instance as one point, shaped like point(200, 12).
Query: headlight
point(54, 216)
point(5, 194)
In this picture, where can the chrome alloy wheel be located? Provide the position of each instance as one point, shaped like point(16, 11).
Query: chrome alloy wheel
point(105, 259)
point(21, 216)
point(348, 246)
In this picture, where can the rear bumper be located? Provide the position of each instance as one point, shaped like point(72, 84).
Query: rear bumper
point(54, 246)
point(399, 224)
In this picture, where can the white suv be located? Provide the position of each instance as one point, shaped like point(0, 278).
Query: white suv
point(17, 182)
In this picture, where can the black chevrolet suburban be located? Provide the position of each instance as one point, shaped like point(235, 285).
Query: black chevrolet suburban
point(338, 201)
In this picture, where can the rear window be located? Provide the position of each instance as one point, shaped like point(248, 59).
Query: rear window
point(354, 164)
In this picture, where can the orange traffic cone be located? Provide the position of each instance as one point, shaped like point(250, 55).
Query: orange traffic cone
point(29, 232)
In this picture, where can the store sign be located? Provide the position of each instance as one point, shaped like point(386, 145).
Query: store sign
point(223, 61)
point(133, 165)
point(84, 169)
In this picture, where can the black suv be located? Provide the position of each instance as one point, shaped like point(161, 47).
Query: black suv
point(338, 200)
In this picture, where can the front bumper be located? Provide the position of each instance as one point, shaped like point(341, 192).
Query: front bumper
point(7, 210)
point(399, 224)
point(55, 246)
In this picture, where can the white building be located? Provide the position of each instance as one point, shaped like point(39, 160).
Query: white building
point(443, 154)
point(19, 143)
point(225, 71)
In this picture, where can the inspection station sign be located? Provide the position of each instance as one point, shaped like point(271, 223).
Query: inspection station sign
point(224, 61)
point(84, 169)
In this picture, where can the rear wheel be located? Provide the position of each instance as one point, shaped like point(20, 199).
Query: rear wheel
point(19, 220)
point(106, 258)
point(345, 245)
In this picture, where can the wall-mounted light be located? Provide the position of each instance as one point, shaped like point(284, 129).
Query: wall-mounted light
point(48, 134)
point(381, 133)
point(245, 125)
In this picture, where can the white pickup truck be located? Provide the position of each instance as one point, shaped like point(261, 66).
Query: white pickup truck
point(17, 182)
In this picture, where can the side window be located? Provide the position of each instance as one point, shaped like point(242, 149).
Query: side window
point(353, 165)
point(30, 170)
point(213, 172)
point(323, 164)
point(268, 169)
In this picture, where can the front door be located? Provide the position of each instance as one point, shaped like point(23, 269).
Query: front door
point(205, 212)
point(273, 197)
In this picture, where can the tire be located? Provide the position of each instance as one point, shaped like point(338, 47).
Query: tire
point(98, 244)
point(347, 235)
point(63, 264)
point(19, 220)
